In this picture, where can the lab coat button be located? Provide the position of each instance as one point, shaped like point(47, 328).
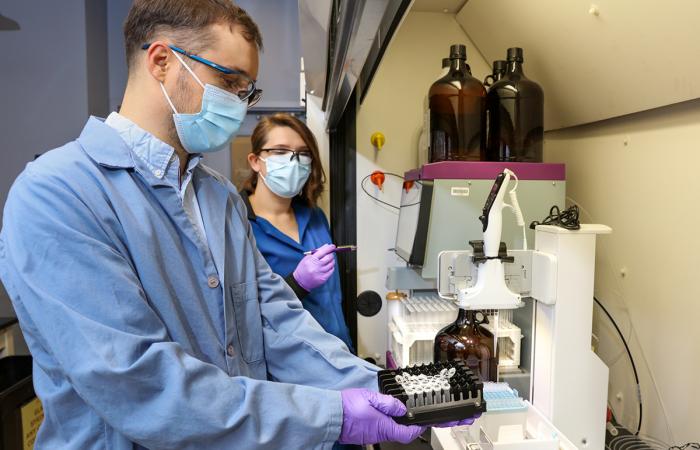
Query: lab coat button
point(213, 282)
point(230, 351)
point(158, 173)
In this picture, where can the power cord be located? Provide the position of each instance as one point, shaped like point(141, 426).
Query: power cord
point(685, 446)
point(362, 185)
point(629, 354)
point(568, 219)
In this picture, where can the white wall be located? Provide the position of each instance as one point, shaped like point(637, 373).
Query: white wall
point(394, 106)
point(638, 174)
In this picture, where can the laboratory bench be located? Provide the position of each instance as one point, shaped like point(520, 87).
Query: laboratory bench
point(418, 444)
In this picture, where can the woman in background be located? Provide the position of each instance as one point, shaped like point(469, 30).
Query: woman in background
point(281, 194)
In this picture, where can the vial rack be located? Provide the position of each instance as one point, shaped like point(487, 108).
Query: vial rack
point(434, 393)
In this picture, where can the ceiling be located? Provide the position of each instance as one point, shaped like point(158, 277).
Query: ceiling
point(448, 6)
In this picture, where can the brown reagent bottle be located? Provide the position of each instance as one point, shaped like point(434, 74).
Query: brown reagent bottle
point(457, 105)
point(515, 115)
point(466, 340)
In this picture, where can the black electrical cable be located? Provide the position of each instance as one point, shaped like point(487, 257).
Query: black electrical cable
point(685, 446)
point(567, 219)
point(629, 354)
point(362, 185)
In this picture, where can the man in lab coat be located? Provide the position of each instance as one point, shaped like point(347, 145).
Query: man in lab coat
point(153, 320)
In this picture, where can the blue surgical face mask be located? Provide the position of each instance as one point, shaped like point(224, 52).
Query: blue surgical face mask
point(215, 125)
point(284, 177)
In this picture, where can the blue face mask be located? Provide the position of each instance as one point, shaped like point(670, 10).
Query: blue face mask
point(215, 125)
point(284, 177)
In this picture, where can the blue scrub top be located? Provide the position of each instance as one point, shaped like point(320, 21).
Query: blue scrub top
point(283, 254)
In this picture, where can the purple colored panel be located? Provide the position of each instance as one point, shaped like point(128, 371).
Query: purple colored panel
point(390, 362)
point(478, 170)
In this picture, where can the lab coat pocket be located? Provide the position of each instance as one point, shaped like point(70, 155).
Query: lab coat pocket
point(246, 308)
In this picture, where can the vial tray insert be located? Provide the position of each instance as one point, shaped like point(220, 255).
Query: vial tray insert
point(434, 393)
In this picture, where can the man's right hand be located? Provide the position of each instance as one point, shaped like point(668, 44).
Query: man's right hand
point(366, 419)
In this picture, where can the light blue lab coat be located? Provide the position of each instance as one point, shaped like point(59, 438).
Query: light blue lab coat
point(145, 336)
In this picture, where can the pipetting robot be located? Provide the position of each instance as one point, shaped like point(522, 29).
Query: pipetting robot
point(552, 389)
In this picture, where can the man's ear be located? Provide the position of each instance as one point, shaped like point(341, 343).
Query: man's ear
point(159, 58)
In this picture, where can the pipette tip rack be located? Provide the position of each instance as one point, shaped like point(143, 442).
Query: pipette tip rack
point(434, 393)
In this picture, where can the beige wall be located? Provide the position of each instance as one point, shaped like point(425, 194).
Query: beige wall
point(394, 106)
point(638, 174)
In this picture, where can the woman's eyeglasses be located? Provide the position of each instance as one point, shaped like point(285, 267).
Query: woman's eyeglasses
point(304, 156)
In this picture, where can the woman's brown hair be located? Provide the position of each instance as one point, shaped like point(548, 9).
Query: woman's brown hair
point(314, 185)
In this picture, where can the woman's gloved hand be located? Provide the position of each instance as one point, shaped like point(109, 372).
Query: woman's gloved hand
point(315, 269)
point(366, 419)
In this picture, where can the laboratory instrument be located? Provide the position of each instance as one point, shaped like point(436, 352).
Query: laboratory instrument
point(568, 389)
point(538, 302)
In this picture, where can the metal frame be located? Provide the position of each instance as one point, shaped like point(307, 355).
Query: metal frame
point(344, 207)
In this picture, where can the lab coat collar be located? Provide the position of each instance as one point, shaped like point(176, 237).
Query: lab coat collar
point(157, 156)
point(103, 144)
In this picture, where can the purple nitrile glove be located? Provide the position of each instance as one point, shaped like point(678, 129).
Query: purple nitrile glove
point(457, 423)
point(315, 269)
point(366, 419)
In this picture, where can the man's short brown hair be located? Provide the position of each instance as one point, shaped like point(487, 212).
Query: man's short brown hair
point(185, 22)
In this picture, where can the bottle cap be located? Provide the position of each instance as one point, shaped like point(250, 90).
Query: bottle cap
point(445, 62)
point(515, 54)
point(500, 65)
point(458, 51)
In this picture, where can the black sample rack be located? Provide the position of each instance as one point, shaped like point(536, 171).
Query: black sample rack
point(434, 393)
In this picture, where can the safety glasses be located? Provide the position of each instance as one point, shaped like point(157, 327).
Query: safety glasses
point(235, 80)
point(304, 156)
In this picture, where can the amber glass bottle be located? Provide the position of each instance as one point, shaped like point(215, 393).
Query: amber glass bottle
point(465, 339)
point(457, 105)
point(515, 115)
point(499, 69)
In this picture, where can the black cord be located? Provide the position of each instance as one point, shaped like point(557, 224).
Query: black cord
point(685, 446)
point(567, 219)
point(629, 354)
point(362, 185)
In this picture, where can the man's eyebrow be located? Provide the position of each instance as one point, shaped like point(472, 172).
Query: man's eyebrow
point(239, 70)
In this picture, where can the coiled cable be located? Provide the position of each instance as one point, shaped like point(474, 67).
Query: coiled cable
point(567, 219)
